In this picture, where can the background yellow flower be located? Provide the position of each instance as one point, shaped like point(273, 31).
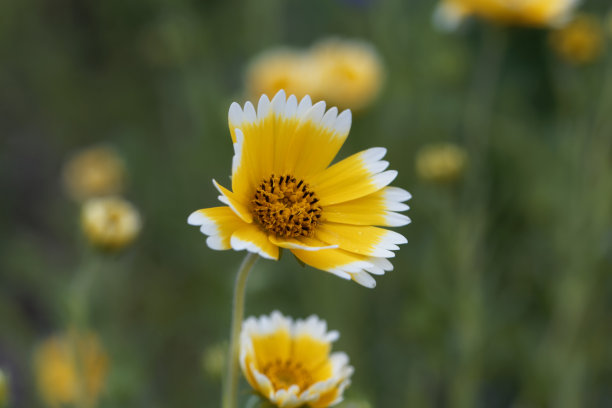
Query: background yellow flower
point(110, 223)
point(94, 172)
point(70, 368)
point(441, 162)
point(581, 41)
point(280, 68)
point(514, 12)
point(350, 73)
point(345, 73)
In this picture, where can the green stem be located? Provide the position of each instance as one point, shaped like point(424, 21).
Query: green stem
point(230, 386)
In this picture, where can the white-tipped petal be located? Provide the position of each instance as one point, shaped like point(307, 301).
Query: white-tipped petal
point(364, 279)
point(304, 106)
point(263, 107)
point(249, 112)
point(343, 122)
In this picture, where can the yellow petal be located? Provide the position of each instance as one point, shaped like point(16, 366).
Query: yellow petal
point(270, 347)
point(282, 137)
point(354, 177)
point(311, 353)
point(247, 359)
point(253, 239)
point(305, 243)
point(345, 264)
point(229, 198)
point(364, 240)
point(219, 223)
point(374, 209)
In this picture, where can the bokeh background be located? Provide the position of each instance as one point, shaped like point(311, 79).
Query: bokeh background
point(503, 296)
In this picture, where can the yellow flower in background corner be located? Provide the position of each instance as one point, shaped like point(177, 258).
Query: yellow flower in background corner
point(581, 41)
point(280, 68)
point(537, 13)
point(350, 73)
point(441, 162)
point(70, 368)
point(110, 223)
point(289, 363)
point(286, 194)
point(94, 172)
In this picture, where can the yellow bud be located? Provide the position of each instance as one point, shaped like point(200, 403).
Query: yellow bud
point(110, 223)
point(94, 172)
point(441, 163)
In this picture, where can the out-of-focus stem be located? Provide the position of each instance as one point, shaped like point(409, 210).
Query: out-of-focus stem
point(230, 385)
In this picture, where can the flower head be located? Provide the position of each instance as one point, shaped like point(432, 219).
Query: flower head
point(290, 364)
point(94, 172)
point(281, 68)
point(441, 163)
point(581, 41)
point(286, 194)
point(346, 73)
point(70, 368)
point(350, 72)
point(512, 12)
point(110, 223)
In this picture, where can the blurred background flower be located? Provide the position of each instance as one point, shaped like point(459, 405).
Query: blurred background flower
point(70, 368)
point(214, 359)
point(441, 162)
point(344, 73)
point(522, 12)
point(581, 41)
point(281, 68)
point(94, 172)
point(110, 223)
point(350, 73)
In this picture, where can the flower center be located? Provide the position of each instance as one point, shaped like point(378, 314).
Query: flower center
point(284, 374)
point(286, 207)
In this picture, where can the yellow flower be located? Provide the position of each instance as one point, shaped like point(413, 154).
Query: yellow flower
point(70, 368)
point(514, 12)
point(281, 68)
point(581, 41)
point(290, 364)
point(285, 194)
point(441, 163)
point(94, 172)
point(110, 223)
point(345, 73)
point(350, 73)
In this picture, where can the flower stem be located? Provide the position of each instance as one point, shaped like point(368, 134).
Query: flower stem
point(230, 386)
